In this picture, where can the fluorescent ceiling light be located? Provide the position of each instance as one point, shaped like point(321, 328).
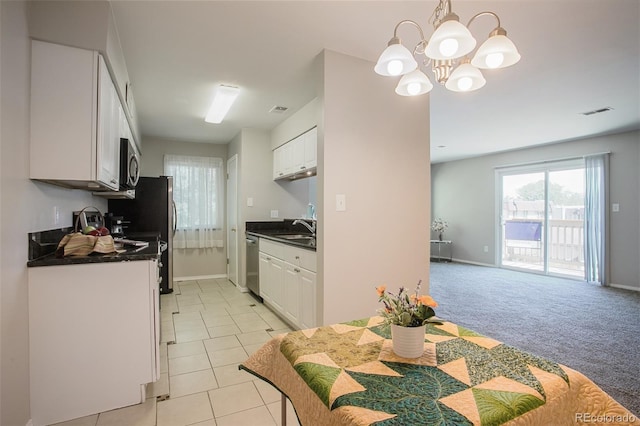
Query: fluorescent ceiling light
point(222, 101)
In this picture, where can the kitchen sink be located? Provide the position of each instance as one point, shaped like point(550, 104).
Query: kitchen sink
point(297, 237)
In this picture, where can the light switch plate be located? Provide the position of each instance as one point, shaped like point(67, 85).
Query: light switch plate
point(341, 203)
point(250, 202)
point(615, 207)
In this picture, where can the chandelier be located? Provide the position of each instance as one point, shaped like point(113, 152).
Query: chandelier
point(447, 51)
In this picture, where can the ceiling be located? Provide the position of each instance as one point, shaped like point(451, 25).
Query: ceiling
point(577, 56)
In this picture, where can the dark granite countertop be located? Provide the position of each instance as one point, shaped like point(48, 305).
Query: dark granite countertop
point(42, 246)
point(148, 253)
point(276, 230)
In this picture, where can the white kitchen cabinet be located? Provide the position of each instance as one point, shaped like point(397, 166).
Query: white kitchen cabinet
point(299, 155)
point(110, 115)
point(93, 336)
point(288, 282)
point(75, 136)
point(291, 302)
point(307, 313)
point(271, 272)
point(311, 149)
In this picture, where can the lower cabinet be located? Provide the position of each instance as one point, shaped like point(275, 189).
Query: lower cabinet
point(288, 282)
point(94, 337)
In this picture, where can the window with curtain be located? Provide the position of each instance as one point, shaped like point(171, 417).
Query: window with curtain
point(198, 192)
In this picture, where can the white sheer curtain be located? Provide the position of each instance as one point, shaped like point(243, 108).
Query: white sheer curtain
point(596, 169)
point(198, 192)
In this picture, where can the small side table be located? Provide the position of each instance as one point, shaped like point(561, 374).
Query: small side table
point(440, 253)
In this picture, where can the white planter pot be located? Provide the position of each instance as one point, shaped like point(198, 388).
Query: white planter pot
point(408, 342)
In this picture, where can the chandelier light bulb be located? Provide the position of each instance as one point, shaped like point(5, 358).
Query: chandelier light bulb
point(448, 47)
point(395, 60)
point(465, 78)
point(496, 52)
point(413, 88)
point(413, 84)
point(450, 40)
point(394, 67)
point(465, 84)
point(494, 60)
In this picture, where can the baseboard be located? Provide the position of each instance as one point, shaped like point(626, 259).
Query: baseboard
point(199, 277)
point(624, 287)
point(474, 263)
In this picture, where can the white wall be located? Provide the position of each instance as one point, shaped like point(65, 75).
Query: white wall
point(26, 207)
point(464, 194)
point(187, 262)
point(374, 148)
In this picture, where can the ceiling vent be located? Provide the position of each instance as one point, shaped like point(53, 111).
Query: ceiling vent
point(278, 109)
point(597, 111)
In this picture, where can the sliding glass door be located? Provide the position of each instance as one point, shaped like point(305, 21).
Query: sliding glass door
point(542, 218)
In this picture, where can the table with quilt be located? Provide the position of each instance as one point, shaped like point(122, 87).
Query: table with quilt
point(348, 374)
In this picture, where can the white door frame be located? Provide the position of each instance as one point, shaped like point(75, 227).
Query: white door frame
point(232, 220)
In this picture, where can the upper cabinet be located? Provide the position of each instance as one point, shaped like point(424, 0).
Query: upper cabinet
point(87, 25)
point(296, 158)
point(75, 118)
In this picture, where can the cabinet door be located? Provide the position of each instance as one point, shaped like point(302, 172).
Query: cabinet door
point(266, 284)
point(63, 112)
point(297, 154)
point(291, 302)
point(92, 348)
point(311, 148)
point(276, 275)
point(307, 307)
point(108, 141)
point(278, 170)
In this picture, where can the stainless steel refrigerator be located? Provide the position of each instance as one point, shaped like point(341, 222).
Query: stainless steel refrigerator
point(151, 214)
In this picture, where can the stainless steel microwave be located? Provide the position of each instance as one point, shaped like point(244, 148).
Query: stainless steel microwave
point(129, 165)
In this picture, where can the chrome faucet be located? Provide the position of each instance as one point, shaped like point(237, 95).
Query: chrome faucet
point(311, 228)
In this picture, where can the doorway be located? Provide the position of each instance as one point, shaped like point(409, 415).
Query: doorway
point(542, 212)
point(232, 219)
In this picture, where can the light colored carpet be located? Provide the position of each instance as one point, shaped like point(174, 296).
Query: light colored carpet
point(590, 328)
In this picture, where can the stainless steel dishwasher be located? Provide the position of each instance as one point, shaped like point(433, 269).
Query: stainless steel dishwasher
point(253, 265)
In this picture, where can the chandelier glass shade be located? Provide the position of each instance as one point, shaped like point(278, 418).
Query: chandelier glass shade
point(447, 51)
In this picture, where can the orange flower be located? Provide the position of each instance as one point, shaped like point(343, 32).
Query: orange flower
point(381, 289)
point(428, 301)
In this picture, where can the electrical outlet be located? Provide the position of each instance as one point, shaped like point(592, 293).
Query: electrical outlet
point(486, 249)
point(274, 214)
point(615, 207)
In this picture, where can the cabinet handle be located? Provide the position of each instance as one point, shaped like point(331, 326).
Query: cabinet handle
point(268, 258)
point(298, 257)
point(113, 181)
point(160, 265)
point(302, 167)
point(297, 270)
point(281, 174)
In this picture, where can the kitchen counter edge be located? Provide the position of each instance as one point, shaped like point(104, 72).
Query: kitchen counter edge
point(273, 236)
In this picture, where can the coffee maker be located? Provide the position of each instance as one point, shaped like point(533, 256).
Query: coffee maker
point(115, 224)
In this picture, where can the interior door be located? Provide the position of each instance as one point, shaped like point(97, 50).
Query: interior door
point(232, 219)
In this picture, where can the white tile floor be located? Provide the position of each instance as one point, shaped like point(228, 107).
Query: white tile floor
point(217, 328)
